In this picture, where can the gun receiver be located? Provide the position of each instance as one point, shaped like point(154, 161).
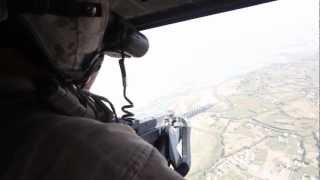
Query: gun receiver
point(171, 136)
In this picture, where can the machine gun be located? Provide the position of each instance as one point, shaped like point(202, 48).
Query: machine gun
point(171, 136)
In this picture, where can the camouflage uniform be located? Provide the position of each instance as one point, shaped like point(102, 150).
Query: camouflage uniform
point(41, 143)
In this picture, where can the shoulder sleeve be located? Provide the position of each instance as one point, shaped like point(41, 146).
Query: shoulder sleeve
point(81, 149)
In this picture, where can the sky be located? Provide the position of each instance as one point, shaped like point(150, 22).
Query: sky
point(208, 50)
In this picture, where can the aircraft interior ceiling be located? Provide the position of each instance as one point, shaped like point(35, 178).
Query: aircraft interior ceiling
point(145, 14)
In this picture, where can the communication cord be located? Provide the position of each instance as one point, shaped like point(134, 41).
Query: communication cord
point(128, 115)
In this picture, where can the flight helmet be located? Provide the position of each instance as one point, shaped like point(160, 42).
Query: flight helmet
point(69, 32)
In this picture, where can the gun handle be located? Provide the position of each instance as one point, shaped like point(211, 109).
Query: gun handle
point(185, 163)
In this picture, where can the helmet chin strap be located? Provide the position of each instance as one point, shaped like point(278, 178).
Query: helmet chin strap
point(93, 66)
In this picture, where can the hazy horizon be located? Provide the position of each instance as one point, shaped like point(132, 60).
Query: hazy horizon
point(211, 49)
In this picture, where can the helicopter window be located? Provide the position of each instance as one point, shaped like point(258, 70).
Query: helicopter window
point(246, 80)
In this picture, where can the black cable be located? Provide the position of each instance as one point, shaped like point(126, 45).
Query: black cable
point(98, 100)
point(128, 115)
